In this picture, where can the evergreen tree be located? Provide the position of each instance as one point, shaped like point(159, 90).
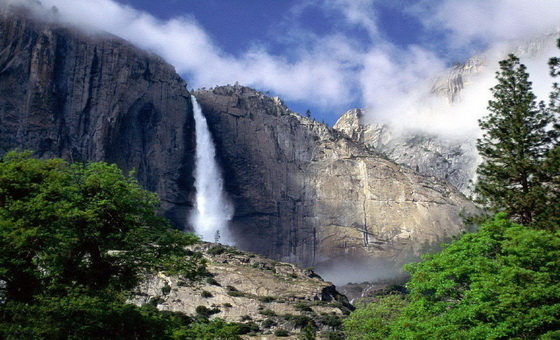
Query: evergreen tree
point(552, 165)
point(514, 147)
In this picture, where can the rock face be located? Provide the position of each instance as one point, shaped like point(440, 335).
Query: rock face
point(451, 83)
point(252, 289)
point(95, 97)
point(311, 195)
point(452, 160)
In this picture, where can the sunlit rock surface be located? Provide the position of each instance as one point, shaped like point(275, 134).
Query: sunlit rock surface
point(248, 288)
point(450, 159)
point(311, 195)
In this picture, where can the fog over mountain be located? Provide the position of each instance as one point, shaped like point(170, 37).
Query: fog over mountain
point(368, 70)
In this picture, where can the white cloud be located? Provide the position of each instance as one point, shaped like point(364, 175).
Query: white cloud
point(356, 12)
point(316, 74)
point(490, 22)
point(335, 69)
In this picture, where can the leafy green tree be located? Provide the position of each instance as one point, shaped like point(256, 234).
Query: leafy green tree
point(74, 237)
point(373, 321)
point(215, 329)
point(514, 147)
point(500, 282)
point(81, 315)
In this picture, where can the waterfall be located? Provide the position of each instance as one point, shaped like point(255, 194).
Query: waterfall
point(212, 211)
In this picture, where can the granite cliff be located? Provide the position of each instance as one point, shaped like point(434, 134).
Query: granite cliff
point(311, 195)
point(450, 159)
point(91, 97)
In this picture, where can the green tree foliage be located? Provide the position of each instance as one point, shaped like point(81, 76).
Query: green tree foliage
point(74, 239)
point(501, 282)
point(515, 145)
point(69, 225)
point(372, 321)
point(215, 329)
point(552, 169)
point(82, 315)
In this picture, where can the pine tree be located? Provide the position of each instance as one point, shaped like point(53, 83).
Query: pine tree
point(552, 165)
point(514, 147)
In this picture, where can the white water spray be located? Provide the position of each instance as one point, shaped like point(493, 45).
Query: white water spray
point(212, 211)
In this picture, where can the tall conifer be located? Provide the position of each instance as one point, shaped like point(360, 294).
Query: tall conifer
point(514, 147)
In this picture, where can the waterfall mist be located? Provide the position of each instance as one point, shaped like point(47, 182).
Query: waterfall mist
point(212, 211)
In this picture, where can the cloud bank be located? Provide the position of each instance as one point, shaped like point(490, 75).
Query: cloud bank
point(335, 70)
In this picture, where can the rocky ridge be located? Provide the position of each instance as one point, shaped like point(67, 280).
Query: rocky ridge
point(264, 294)
point(452, 160)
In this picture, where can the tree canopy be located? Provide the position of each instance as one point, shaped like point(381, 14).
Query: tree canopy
point(501, 282)
point(74, 239)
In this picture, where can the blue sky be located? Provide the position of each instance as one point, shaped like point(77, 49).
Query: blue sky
point(325, 55)
point(239, 25)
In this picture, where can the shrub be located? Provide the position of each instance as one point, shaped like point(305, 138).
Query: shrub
point(267, 323)
point(298, 320)
point(217, 249)
point(235, 293)
point(166, 289)
point(206, 294)
point(249, 327)
point(303, 307)
point(206, 312)
point(281, 332)
point(332, 321)
point(266, 299)
point(212, 281)
point(268, 312)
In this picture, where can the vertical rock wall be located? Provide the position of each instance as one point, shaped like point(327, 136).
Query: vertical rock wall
point(95, 97)
point(311, 195)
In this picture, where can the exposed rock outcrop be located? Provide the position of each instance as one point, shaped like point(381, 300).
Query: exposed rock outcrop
point(95, 97)
point(248, 288)
point(453, 160)
point(311, 195)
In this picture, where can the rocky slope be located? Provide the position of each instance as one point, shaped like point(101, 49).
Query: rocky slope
point(311, 195)
point(81, 96)
point(452, 160)
point(242, 287)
